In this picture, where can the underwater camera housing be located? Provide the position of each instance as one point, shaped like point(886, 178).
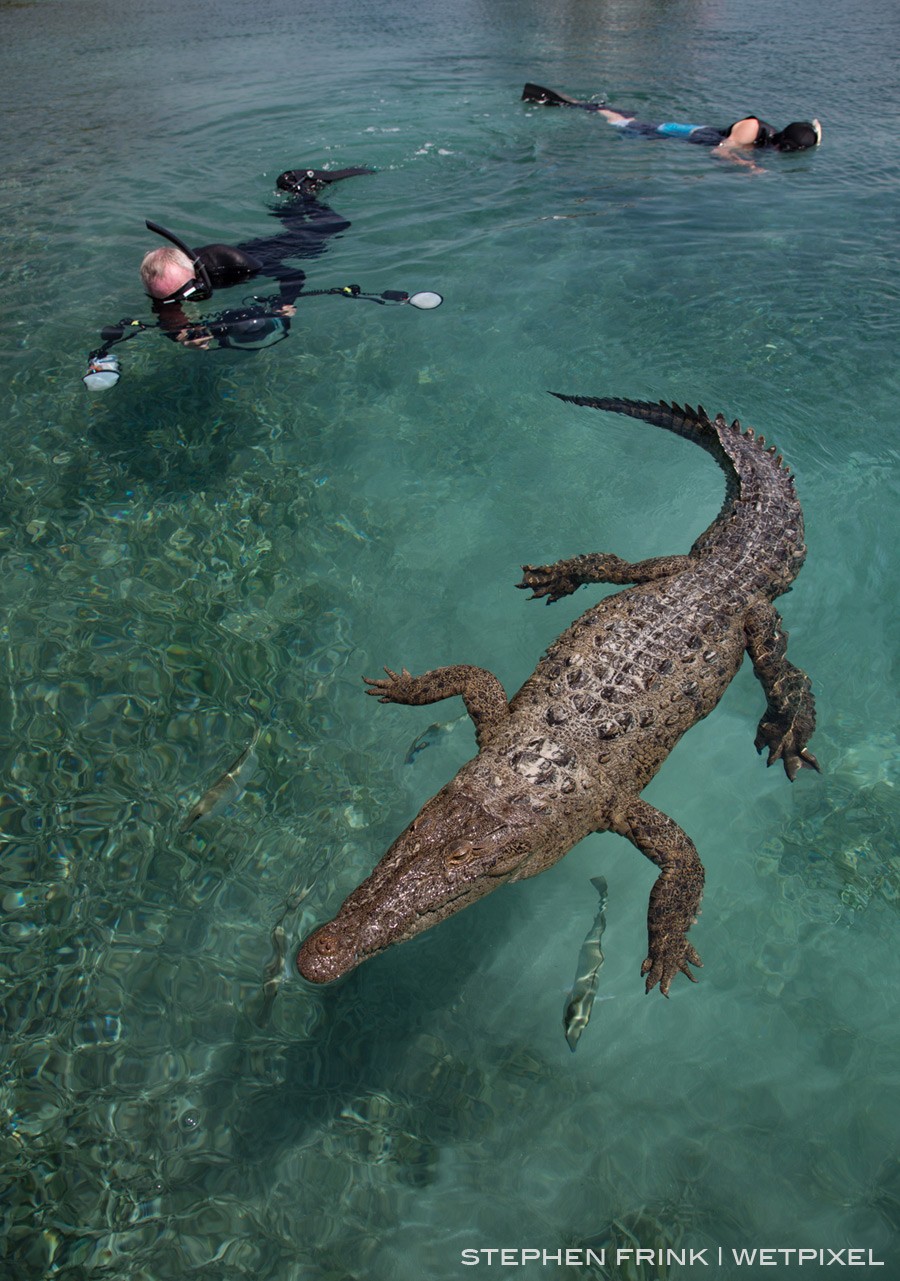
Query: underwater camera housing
point(249, 329)
point(102, 373)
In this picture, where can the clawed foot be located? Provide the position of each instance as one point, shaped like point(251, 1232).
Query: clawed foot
point(398, 688)
point(671, 956)
point(551, 581)
point(785, 746)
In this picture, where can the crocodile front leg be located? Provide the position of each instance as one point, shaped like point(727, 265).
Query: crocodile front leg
point(791, 712)
point(676, 894)
point(483, 695)
point(563, 578)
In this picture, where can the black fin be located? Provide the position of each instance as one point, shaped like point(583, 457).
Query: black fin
point(309, 181)
point(549, 97)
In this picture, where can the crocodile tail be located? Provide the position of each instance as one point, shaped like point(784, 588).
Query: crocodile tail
point(755, 475)
point(693, 424)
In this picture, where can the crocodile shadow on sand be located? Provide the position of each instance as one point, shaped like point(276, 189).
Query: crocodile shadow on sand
point(369, 1039)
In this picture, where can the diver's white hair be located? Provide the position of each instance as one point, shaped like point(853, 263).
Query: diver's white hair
point(157, 262)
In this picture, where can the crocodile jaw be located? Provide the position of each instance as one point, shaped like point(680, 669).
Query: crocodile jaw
point(340, 946)
point(455, 852)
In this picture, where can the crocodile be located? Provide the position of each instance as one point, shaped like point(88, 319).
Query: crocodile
point(571, 752)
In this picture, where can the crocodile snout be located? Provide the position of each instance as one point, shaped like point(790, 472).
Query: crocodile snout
point(326, 956)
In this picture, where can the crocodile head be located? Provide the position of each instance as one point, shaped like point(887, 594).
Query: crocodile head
point(453, 854)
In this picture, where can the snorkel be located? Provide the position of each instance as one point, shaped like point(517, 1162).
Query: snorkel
point(200, 288)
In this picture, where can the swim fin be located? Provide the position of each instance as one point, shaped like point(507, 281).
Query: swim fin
point(550, 98)
point(308, 181)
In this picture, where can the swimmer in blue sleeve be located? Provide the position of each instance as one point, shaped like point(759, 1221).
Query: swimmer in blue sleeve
point(748, 132)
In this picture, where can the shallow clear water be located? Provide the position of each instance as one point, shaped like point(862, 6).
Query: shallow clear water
point(227, 541)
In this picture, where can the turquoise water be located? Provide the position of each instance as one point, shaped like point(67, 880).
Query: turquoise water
point(226, 541)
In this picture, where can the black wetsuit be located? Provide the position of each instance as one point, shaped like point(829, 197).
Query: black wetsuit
point(307, 226)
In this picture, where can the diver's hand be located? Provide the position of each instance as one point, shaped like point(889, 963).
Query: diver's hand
point(194, 337)
point(730, 153)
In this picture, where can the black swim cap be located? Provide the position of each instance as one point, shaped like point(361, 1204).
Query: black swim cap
point(796, 137)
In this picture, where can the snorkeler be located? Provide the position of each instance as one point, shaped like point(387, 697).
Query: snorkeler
point(749, 131)
point(174, 275)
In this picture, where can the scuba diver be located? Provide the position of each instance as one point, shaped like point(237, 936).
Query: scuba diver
point(175, 274)
point(749, 131)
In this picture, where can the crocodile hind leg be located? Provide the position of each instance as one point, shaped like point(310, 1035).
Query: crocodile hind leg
point(561, 579)
point(676, 894)
point(790, 715)
point(482, 693)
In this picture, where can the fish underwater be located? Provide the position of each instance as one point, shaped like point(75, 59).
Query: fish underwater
point(580, 1001)
point(429, 736)
point(227, 788)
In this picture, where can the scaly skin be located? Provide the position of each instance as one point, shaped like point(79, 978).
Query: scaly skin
point(587, 731)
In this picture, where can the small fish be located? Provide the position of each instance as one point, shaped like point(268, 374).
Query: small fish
point(274, 973)
point(226, 789)
point(428, 736)
point(349, 528)
point(590, 958)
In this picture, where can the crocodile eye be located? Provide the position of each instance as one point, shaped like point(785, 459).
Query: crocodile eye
point(459, 853)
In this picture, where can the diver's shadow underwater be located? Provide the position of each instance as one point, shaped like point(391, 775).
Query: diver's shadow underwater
point(174, 434)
